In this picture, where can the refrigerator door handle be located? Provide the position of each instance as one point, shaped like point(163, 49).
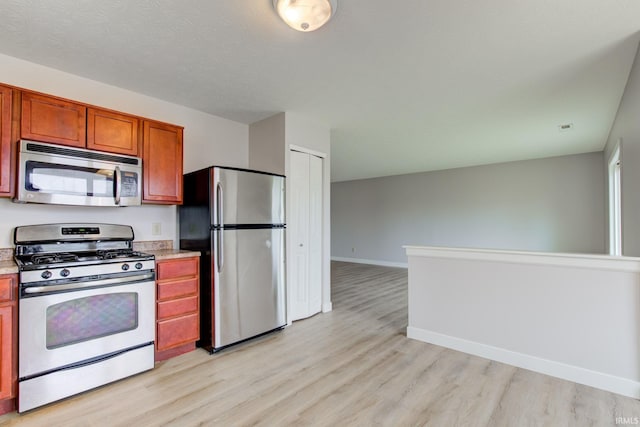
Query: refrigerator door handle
point(219, 237)
point(219, 207)
point(220, 256)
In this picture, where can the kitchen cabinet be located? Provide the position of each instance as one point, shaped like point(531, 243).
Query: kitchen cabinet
point(112, 132)
point(49, 119)
point(177, 306)
point(162, 163)
point(44, 118)
point(6, 101)
point(8, 342)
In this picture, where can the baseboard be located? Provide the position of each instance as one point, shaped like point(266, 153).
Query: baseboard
point(372, 262)
point(564, 371)
point(327, 307)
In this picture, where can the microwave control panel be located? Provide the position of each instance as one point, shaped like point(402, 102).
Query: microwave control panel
point(129, 186)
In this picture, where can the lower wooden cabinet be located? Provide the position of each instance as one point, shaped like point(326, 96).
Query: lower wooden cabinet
point(8, 342)
point(177, 306)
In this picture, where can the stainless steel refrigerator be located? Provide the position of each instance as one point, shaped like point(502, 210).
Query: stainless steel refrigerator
point(236, 219)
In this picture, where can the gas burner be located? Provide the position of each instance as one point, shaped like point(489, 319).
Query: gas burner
point(53, 258)
point(116, 253)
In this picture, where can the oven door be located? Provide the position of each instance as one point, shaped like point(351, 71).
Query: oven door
point(59, 329)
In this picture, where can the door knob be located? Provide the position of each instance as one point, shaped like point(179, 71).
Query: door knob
point(301, 245)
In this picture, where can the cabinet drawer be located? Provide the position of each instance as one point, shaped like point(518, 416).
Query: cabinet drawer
point(177, 268)
point(177, 288)
point(6, 284)
point(178, 331)
point(177, 307)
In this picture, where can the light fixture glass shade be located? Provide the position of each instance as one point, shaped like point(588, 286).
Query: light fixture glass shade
point(305, 15)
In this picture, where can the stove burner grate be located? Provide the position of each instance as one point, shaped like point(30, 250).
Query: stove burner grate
point(53, 258)
point(117, 253)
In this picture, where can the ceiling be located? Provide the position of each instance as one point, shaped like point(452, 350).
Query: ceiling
point(424, 86)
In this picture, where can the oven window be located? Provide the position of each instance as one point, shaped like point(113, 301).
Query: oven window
point(65, 179)
point(88, 318)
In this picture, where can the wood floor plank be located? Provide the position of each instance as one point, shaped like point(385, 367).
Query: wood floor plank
point(352, 366)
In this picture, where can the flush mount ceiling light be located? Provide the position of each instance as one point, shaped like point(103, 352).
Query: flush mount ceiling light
point(305, 15)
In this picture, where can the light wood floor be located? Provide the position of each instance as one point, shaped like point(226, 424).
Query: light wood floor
point(353, 366)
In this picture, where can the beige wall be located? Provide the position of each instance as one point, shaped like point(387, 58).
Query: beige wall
point(555, 205)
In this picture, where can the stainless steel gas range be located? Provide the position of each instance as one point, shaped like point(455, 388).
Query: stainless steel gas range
point(86, 309)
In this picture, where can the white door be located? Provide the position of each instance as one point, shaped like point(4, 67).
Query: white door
point(305, 228)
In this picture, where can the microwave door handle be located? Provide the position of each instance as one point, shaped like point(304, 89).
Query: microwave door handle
point(118, 183)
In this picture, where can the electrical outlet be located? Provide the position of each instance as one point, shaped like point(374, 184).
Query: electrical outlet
point(156, 228)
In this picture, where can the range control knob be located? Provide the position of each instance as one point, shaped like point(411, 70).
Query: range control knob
point(65, 273)
point(46, 274)
point(125, 267)
point(138, 265)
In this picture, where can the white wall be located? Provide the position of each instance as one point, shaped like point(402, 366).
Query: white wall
point(270, 142)
point(267, 144)
point(626, 128)
point(574, 317)
point(554, 204)
point(207, 140)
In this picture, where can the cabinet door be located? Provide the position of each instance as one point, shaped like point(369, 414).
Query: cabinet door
point(54, 120)
point(6, 351)
point(162, 163)
point(8, 341)
point(112, 132)
point(5, 140)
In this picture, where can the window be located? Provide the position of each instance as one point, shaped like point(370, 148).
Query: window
point(615, 206)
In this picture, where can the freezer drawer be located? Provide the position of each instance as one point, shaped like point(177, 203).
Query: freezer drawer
point(244, 197)
point(249, 283)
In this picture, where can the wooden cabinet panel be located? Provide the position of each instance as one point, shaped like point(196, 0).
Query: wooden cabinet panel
point(6, 351)
point(177, 307)
point(112, 132)
point(177, 268)
point(162, 163)
point(177, 288)
point(6, 283)
point(6, 101)
point(8, 341)
point(54, 120)
point(178, 331)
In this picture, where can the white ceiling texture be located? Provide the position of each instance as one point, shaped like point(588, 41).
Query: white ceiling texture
point(405, 86)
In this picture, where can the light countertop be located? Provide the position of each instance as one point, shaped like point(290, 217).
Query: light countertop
point(8, 267)
point(172, 253)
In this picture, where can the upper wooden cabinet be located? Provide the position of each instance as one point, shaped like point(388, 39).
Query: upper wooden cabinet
point(54, 120)
point(112, 132)
point(40, 117)
point(6, 100)
point(162, 163)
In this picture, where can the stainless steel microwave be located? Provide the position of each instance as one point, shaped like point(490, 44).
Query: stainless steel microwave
point(61, 175)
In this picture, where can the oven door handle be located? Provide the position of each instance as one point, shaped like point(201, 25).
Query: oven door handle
point(118, 179)
point(83, 285)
